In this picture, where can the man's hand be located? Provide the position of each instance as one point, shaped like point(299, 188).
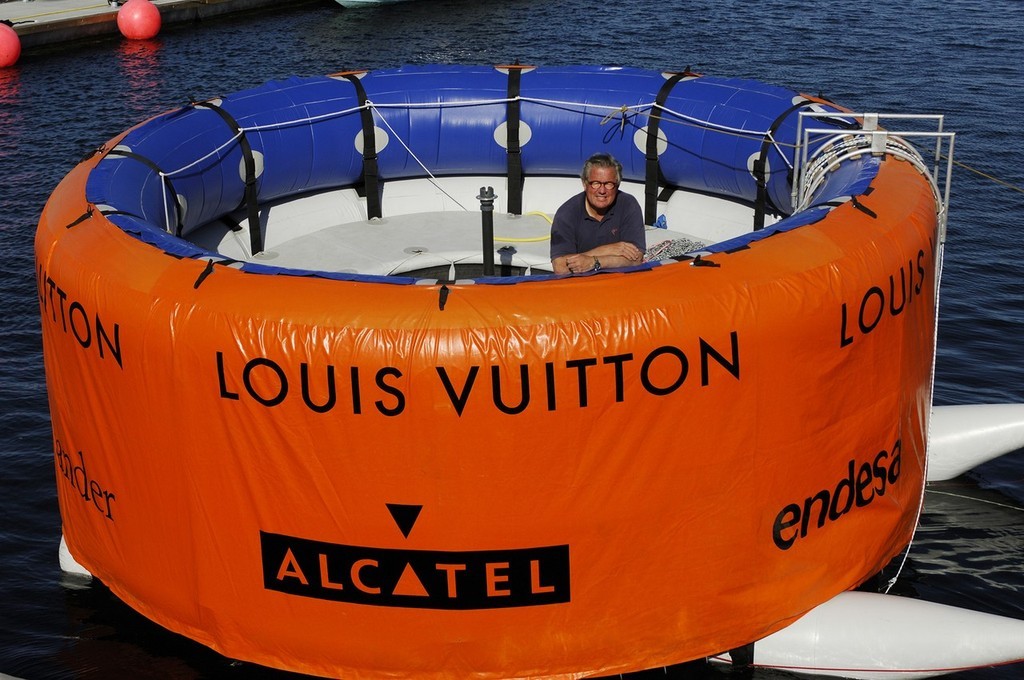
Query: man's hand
point(619, 254)
point(579, 263)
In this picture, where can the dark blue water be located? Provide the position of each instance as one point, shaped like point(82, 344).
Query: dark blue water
point(958, 57)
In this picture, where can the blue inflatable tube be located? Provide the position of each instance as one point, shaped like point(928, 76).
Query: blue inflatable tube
point(307, 134)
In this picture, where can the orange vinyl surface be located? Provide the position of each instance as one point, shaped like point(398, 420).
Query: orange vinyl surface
point(560, 477)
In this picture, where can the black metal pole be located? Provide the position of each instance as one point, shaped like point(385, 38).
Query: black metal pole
point(486, 199)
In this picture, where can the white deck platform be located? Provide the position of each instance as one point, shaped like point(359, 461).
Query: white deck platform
point(436, 223)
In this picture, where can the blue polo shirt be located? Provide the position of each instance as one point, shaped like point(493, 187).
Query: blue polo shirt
point(573, 230)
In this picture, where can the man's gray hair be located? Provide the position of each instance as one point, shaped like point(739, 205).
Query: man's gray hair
point(601, 160)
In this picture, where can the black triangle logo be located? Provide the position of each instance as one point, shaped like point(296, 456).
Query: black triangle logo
point(404, 515)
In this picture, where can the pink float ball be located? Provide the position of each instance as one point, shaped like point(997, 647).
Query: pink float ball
point(10, 46)
point(138, 20)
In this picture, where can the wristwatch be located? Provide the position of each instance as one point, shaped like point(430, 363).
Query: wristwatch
point(597, 265)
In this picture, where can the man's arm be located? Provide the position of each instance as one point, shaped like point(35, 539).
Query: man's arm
point(611, 255)
point(618, 254)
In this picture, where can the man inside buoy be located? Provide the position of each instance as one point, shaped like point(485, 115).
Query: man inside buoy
point(600, 228)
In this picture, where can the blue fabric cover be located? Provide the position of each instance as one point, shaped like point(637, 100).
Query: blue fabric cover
point(571, 112)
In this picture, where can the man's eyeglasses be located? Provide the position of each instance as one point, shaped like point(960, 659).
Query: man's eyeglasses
point(595, 185)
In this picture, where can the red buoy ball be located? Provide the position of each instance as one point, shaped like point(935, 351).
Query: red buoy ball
point(10, 46)
point(138, 20)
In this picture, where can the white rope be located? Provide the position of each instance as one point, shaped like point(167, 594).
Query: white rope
point(301, 121)
point(979, 500)
point(777, 148)
point(637, 108)
point(441, 105)
point(430, 175)
point(891, 582)
point(924, 472)
point(507, 100)
point(234, 138)
point(610, 108)
point(231, 140)
point(742, 132)
point(261, 128)
point(716, 126)
point(167, 216)
point(168, 173)
point(573, 105)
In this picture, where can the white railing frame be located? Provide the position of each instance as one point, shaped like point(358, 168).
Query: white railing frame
point(840, 145)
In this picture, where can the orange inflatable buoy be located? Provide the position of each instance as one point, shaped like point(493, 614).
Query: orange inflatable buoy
point(431, 476)
point(138, 20)
point(10, 45)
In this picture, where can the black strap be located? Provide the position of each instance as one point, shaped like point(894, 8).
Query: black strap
point(208, 269)
point(93, 152)
point(856, 204)
point(513, 146)
point(863, 208)
point(81, 218)
point(250, 199)
point(371, 187)
point(653, 170)
point(760, 169)
point(168, 185)
point(232, 223)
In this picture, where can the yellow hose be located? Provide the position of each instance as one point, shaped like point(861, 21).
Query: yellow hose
point(531, 239)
